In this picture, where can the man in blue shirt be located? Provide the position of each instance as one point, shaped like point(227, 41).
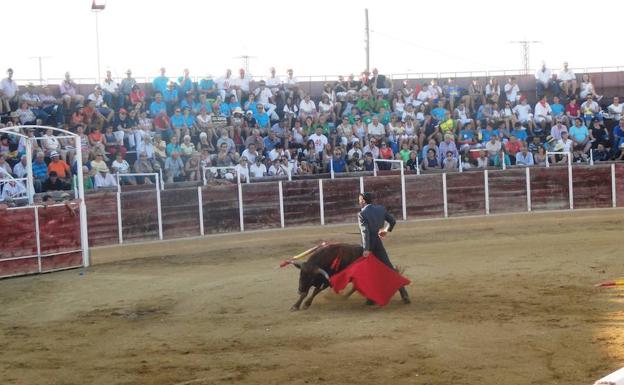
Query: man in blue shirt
point(160, 83)
point(171, 97)
point(208, 87)
point(580, 135)
point(557, 108)
point(270, 142)
point(439, 112)
point(262, 118)
point(157, 105)
point(338, 163)
point(618, 134)
point(185, 84)
point(519, 132)
point(40, 171)
point(190, 103)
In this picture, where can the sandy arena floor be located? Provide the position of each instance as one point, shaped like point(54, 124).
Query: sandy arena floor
point(498, 300)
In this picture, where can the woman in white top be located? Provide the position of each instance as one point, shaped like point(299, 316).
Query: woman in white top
point(492, 90)
point(307, 108)
point(326, 107)
point(398, 103)
point(588, 88)
point(359, 130)
point(51, 143)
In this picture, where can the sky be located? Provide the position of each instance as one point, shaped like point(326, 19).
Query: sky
point(317, 37)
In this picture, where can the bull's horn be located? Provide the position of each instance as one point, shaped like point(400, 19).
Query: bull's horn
point(323, 272)
point(307, 252)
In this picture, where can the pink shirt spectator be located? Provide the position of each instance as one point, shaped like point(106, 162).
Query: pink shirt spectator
point(68, 88)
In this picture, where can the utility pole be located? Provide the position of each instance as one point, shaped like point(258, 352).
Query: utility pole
point(246, 60)
point(97, 8)
point(525, 44)
point(40, 59)
point(367, 40)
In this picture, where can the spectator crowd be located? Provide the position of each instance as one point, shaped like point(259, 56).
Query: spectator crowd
point(239, 125)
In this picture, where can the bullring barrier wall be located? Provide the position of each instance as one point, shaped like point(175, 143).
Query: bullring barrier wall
point(46, 238)
point(279, 204)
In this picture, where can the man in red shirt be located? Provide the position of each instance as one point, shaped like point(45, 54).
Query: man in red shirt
point(572, 111)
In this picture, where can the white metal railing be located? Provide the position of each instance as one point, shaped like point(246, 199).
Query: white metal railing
point(325, 78)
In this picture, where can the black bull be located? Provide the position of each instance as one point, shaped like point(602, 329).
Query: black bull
point(322, 262)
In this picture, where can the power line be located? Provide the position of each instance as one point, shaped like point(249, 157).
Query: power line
point(246, 59)
point(40, 60)
point(449, 55)
point(525, 44)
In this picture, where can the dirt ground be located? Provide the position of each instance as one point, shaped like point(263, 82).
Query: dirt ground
point(497, 300)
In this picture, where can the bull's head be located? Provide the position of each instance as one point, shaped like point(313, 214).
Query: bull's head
point(308, 274)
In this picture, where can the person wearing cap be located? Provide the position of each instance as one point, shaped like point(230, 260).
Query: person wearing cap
point(59, 166)
point(103, 178)
point(126, 87)
point(372, 221)
point(170, 96)
point(69, 92)
point(13, 190)
point(8, 92)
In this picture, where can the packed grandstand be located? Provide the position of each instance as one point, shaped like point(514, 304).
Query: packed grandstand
point(239, 127)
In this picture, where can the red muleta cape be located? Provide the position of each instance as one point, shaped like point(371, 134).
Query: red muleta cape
point(371, 278)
